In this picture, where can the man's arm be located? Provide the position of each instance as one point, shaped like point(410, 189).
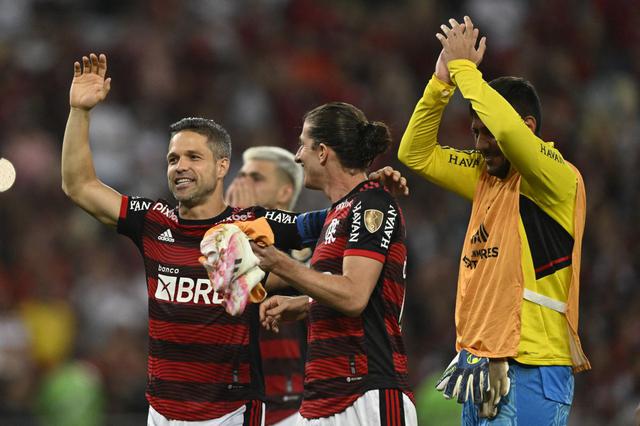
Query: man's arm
point(79, 180)
point(452, 169)
point(283, 308)
point(540, 164)
point(348, 293)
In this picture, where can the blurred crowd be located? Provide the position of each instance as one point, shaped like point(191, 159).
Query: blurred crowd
point(72, 293)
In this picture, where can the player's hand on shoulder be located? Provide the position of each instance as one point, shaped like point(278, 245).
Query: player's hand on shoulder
point(392, 180)
point(89, 85)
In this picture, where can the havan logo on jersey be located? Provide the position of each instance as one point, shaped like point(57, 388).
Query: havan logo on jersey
point(137, 205)
point(389, 226)
point(356, 223)
point(481, 236)
point(185, 290)
point(281, 217)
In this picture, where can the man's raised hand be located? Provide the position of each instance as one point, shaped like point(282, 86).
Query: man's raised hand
point(89, 86)
point(459, 41)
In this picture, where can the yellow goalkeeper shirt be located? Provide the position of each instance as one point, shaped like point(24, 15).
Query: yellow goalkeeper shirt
point(547, 191)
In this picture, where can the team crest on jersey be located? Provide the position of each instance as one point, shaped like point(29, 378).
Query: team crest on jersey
point(330, 235)
point(373, 220)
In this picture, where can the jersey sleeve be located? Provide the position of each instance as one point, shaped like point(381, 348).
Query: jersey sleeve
point(283, 225)
point(453, 169)
point(132, 215)
point(310, 226)
point(372, 224)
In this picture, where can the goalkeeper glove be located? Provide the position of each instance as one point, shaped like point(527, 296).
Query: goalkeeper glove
point(227, 255)
point(466, 378)
point(246, 288)
point(232, 267)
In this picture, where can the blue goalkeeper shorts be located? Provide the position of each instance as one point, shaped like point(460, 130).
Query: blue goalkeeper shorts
point(539, 396)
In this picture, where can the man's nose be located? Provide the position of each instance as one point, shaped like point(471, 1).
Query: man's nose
point(181, 164)
point(482, 143)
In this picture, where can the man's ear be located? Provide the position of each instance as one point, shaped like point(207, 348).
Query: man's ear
point(323, 153)
point(531, 122)
point(222, 167)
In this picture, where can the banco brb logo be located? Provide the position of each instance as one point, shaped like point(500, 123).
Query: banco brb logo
point(184, 290)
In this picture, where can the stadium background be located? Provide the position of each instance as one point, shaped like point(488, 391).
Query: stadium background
point(72, 297)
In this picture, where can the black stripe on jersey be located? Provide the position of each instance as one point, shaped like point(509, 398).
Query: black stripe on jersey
point(198, 392)
point(379, 351)
point(257, 374)
point(550, 244)
point(282, 366)
point(276, 403)
point(180, 236)
point(396, 342)
point(197, 352)
point(192, 314)
point(323, 312)
point(331, 388)
point(152, 268)
point(337, 346)
point(329, 264)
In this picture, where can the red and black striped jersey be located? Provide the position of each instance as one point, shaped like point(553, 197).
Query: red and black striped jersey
point(348, 356)
point(203, 363)
point(283, 356)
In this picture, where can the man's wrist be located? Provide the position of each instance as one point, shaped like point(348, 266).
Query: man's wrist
point(282, 266)
point(78, 110)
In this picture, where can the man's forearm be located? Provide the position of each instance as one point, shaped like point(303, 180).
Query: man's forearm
point(420, 137)
point(331, 290)
point(79, 179)
point(77, 163)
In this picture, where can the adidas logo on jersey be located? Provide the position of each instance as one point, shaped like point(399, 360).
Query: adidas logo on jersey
point(480, 236)
point(166, 237)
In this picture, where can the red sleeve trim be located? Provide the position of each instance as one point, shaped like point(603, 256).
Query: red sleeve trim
point(123, 206)
point(365, 253)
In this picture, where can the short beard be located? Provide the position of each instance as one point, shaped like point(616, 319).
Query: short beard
point(194, 199)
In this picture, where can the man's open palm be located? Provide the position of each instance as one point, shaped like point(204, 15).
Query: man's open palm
point(89, 87)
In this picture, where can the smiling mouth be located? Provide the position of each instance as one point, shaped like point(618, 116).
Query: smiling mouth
point(182, 182)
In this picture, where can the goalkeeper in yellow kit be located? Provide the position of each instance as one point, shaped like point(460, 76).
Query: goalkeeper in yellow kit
point(517, 300)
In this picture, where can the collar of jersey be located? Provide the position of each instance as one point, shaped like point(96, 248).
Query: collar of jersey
point(212, 221)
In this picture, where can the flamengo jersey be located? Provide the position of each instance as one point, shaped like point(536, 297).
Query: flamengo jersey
point(203, 363)
point(348, 356)
point(283, 356)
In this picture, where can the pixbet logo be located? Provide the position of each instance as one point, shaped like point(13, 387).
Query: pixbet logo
point(185, 290)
